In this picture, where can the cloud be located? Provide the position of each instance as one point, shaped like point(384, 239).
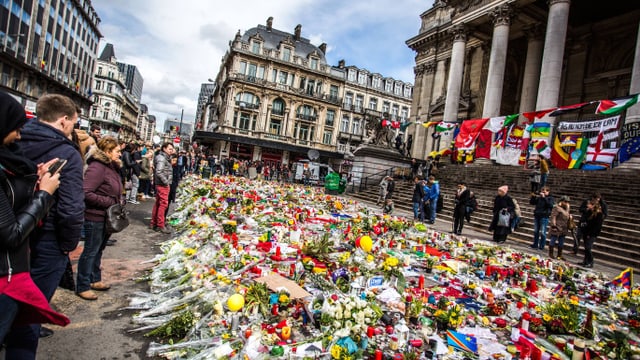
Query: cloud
point(178, 46)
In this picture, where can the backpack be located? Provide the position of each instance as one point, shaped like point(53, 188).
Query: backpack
point(427, 191)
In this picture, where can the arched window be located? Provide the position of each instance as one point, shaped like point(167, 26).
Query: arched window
point(306, 112)
point(277, 107)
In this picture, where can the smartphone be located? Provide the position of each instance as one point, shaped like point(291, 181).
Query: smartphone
point(56, 166)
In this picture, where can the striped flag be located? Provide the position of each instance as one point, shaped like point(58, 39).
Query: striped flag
point(539, 130)
point(533, 115)
point(498, 123)
point(624, 279)
point(616, 106)
point(443, 126)
point(462, 342)
point(568, 109)
point(429, 123)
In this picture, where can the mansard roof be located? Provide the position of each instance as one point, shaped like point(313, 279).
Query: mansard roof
point(272, 39)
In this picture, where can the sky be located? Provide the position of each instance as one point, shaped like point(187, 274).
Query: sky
point(178, 45)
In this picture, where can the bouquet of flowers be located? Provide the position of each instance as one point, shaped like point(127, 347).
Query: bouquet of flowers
point(562, 316)
point(348, 316)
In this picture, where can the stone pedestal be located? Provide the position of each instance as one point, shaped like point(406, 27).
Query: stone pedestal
point(372, 162)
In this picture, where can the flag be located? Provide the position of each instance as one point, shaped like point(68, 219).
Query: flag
point(462, 342)
point(533, 115)
point(77, 85)
point(386, 123)
point(495, 124)
point(628, 148)
point(43, 64)
point(568, 109)
point(616, 106)
point(30, 114)
point(405, 125)
point(557, 289)
point(429, 123)
point(559, 158)
point(579, 153)
point(483, 144)
point(596, 153)
point(539, 130)
point(443, 126)
point(542, 148)
point(624, 279)
point(395, 124)
point(469, 131)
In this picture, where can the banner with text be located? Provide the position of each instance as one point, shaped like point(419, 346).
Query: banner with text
point(594, 125)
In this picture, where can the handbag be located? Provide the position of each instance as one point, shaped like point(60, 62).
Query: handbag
point(504, 218)
point(571, 224)
point(116, 218)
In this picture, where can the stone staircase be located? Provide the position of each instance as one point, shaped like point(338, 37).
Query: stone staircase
point(617, 245)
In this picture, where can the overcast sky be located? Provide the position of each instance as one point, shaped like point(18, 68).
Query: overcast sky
point(178, 45)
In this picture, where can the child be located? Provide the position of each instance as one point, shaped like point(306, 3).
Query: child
point(388, 206)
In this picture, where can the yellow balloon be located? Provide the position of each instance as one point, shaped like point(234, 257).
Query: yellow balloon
point(366, 243)
point(235, 302)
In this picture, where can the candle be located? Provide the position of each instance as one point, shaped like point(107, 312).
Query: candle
point(421, 282)
point(378, 355)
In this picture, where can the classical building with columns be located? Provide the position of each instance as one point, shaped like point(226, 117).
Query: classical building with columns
point(486, 58)
point(277, 100)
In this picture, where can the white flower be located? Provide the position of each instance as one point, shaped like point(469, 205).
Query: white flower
point(347, 314)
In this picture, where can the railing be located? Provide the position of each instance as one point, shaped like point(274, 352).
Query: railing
point(364, 182)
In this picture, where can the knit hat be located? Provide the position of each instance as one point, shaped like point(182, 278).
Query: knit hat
point(565, 198)
point(504, 188)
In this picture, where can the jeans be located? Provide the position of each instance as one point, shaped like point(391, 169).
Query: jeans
point(48, 264)
point(433, 204)
point(418, 213)
point(160, 206)
point(9, 311)
point(543, 180)
point(540, 232)
point(132, 194)
point(89, 262)
point(145, 187)
point(458, 218)
point(557, 240)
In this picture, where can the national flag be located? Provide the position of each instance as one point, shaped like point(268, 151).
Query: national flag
point(483, 144)
point(43, 64)
point(462, 342)
point(405, 125)
point(533, 115)
point(628, 148)
point(77, 85)
point(616, 106)
point(568, 109)
point(429, 123)
point(539, 130)
point(444, 126)
point(559, 157)
point(395, 124)
point(596, 153)
point(469, 131)
point(385, 123)
point(624, 279)
point(495, 124)
point(542, 148)
point(579, 153)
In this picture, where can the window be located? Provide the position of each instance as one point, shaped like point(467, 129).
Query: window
point(348, 100)
point(99, 70)
point(333, 93)
point(303, 131)
point(355, 126)
point(275, 126)
point(351, 75)
point(243, 67)
point(344, 124)
point(255, 47)
point(253, 69)
point(98, 85)
point(283, 77)
point(274, 75)
point(244, 121)
point(306, 112)
point(359, 102)
point(404, 114)
point(311, 84)
point(373, 103)
point(286, 54)
point(388, 86)
point(398, 89)
point(247, 100)
point(109, 88)
point(362, 79)
point(394, 112)
point(326, 137)
point(385, 107)
point(260, 74)
point(277, 107)
point(330, 120)
point(314, 64)
point(407, 91)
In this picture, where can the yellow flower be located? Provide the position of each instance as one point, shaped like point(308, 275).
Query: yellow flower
point(189, 251)
point(391, 262)
point(283, 298)
point(370, 258)
point(546, 317)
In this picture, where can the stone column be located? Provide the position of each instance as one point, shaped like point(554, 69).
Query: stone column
point(456, 69)
point(501, 16)
point(531, 75)
point(633, 113)
point(552, 58)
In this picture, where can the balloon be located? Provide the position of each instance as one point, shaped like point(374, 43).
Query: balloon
point(358, 242)
point(235, 302)
point(366, 243)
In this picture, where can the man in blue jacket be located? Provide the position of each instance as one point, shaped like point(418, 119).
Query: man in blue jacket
point(43, 140)
point(433, 195)
point(544, 204)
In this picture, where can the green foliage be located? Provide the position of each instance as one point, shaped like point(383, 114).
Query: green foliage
point(176, 328)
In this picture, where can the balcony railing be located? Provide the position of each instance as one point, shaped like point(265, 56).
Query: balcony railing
point(307, 117)
point(247, 106)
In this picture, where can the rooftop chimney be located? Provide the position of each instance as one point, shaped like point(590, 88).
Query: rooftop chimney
point(269, 23)
point(298, 30)
point(323, 48)
point(341, 64)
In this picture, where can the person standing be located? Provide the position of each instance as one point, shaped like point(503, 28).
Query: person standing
point(383, 190)
point(461, 203)
point(131, 160)
point(559, 226)
point(434, 194)
point(95, 132)
point(41, 141)
point(502, 206)
point(145, 175)
point(604, 208)
point(471, 206)
point(543, 202)
point(391, 186)
point(102, 188)
point(163, 177)
point(417, 199)
point(591, 225)
point(20, 211)
point(544, 171)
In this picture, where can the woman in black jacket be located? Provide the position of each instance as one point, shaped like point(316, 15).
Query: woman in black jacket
point(591, 225)
point(500, 203)
point(20, 210)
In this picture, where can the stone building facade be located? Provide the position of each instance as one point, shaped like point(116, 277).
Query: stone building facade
point(276, 99)
point(486, 58)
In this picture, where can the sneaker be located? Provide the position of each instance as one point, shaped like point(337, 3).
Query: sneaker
point(134, 202)
point(164, 230)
